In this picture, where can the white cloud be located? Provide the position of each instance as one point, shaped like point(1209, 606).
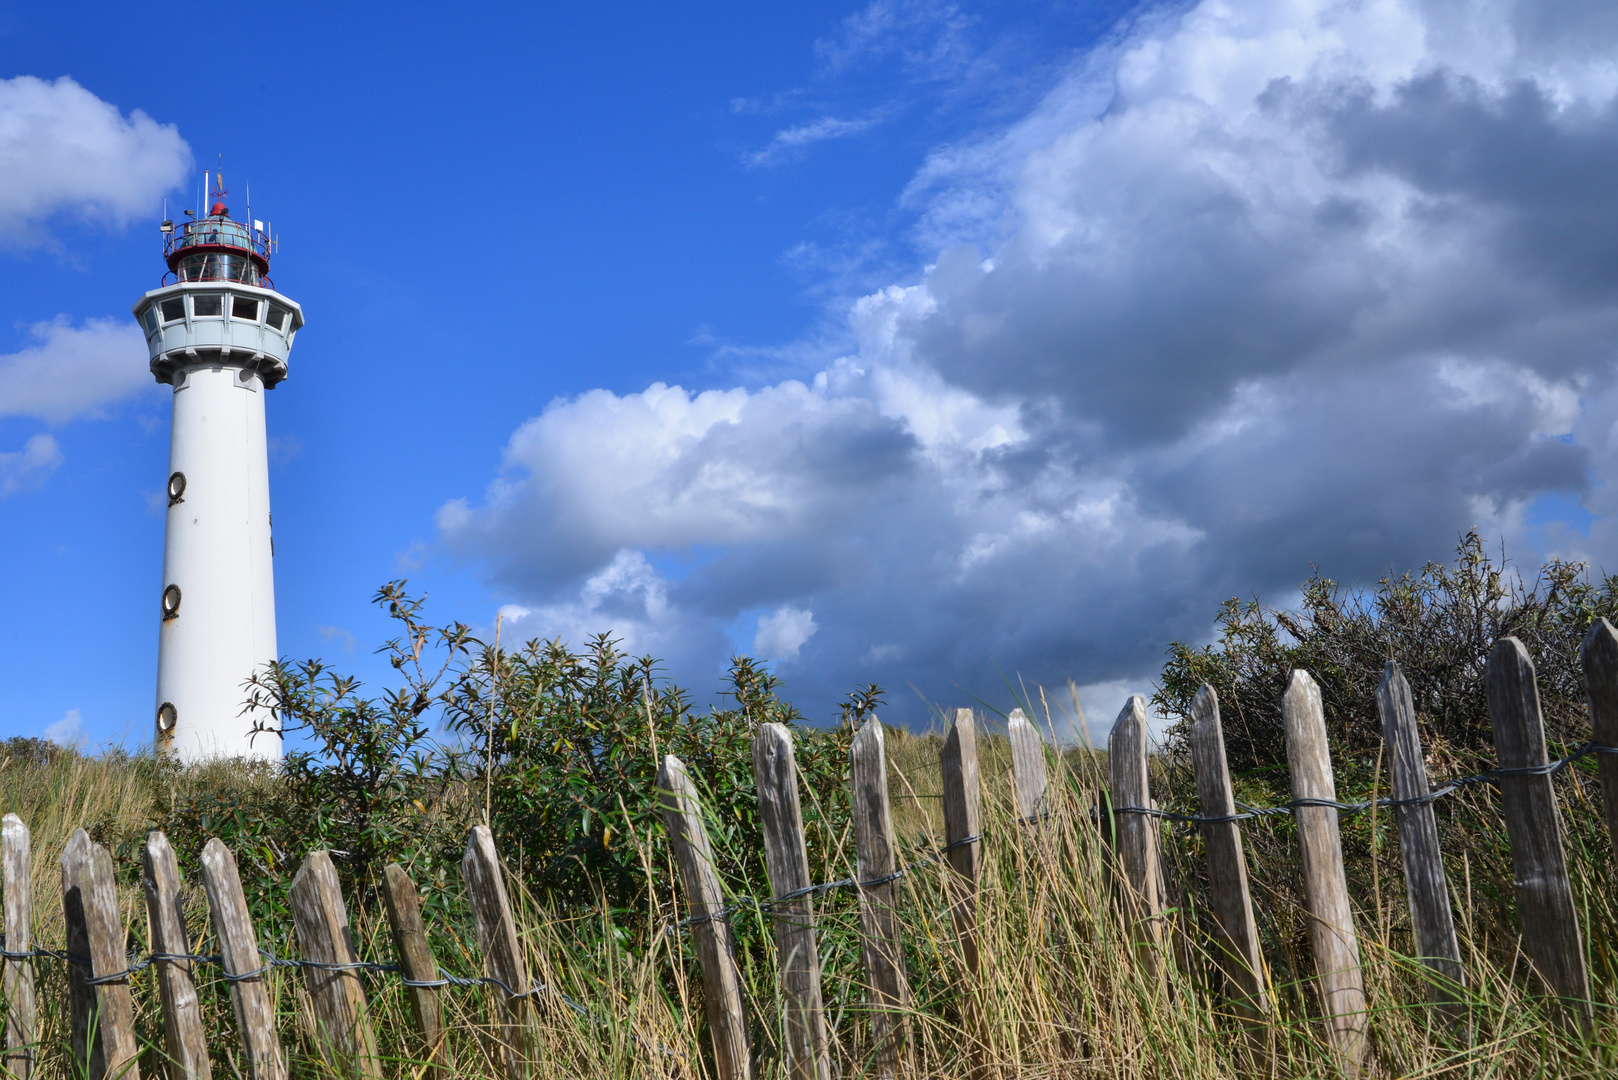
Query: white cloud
point(783, 632)
point(29, 467)
point(73, 371)
point(65, 151)
point(799, 136)
point(66, 732)
point(1268, 285)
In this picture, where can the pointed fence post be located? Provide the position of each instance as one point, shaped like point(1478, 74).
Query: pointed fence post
point(1140, 864)
point(1600, 657)
point(716, 946)
point(1426, 886)
point(1550, 919)
point(18, 980)
point(787, 860)
point(963, 824)
point(104, 1043)
point(1331, 917)
point(185, 1043)
point(1027, 768)
point(245, 969)
point(418, 964)
point(342, 1022)
point(1235, 930)
point(876, 870)
point(502, 948)
point(963, 808)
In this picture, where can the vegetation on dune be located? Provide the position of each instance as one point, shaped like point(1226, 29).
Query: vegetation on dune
point(558, 751)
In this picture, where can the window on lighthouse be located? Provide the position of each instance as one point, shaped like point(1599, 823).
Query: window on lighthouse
point(277, 317)
point(206, 305)
point(173, 309)
point(243, 307)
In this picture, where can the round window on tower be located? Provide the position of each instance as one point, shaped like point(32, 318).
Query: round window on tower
point(176, 488)
point(166, 715)
point(171, 603)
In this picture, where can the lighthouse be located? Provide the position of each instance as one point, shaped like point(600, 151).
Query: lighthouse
point(219, 334)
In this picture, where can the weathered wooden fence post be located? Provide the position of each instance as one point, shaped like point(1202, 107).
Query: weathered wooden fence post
point(342, 1022)
point(963, 814)
point(244, 968)
point(716, 946)
point(1235, 931)
point(877, 872)
point(185, 1043)
point(1027, 768)
point(1136, 851)
point(963, 811)
point(104, 1043)
point(1550, 920)
point(1426, 887)
point(418, 964)
point(1600, 657)
point(1331, 918)
point(502, 948)
point(19, 974)
point(787, 860)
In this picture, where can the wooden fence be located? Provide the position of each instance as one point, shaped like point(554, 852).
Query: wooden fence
point(104, 1043)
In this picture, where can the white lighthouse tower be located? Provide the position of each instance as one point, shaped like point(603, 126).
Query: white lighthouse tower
point(219, 334)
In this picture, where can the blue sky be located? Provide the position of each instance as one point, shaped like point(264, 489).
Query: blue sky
point(911, 342)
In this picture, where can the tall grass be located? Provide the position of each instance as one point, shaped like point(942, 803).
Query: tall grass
point(1059, 992)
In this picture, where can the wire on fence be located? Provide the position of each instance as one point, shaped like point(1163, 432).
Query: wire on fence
point(1550, 768)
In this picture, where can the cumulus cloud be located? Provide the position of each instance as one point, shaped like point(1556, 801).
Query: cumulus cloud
point(72, 371)
point(1258, 286)
point(783, 632)
point(68, 732)
point(65, 151)
point(30, 466)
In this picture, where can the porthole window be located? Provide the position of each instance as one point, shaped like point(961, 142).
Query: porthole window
point(277, 317)
point(244, 307)
point(167, 714)
point(204, 305)
point(173, 309)
point(176, 488)
point(171, 603)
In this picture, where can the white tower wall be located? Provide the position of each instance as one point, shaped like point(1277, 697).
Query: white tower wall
point(217, 551)
point(222, 345)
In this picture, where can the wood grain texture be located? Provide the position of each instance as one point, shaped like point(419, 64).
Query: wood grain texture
point(1027, 767)
point(1426, 887)
point(963, 819)
point(1236, 944)
point(342, 1022)
point(1331, 918)
point(104, 1043)
point(238, 950)
point(416, 960)
point(503, 955)
point(1139, 862)
point(185, 1041)
point(881, 936)
point(787, 859)
point(18, 978)
point(1600, 658)
point(716, 946)
point(963, 813)
point(1550, 920)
